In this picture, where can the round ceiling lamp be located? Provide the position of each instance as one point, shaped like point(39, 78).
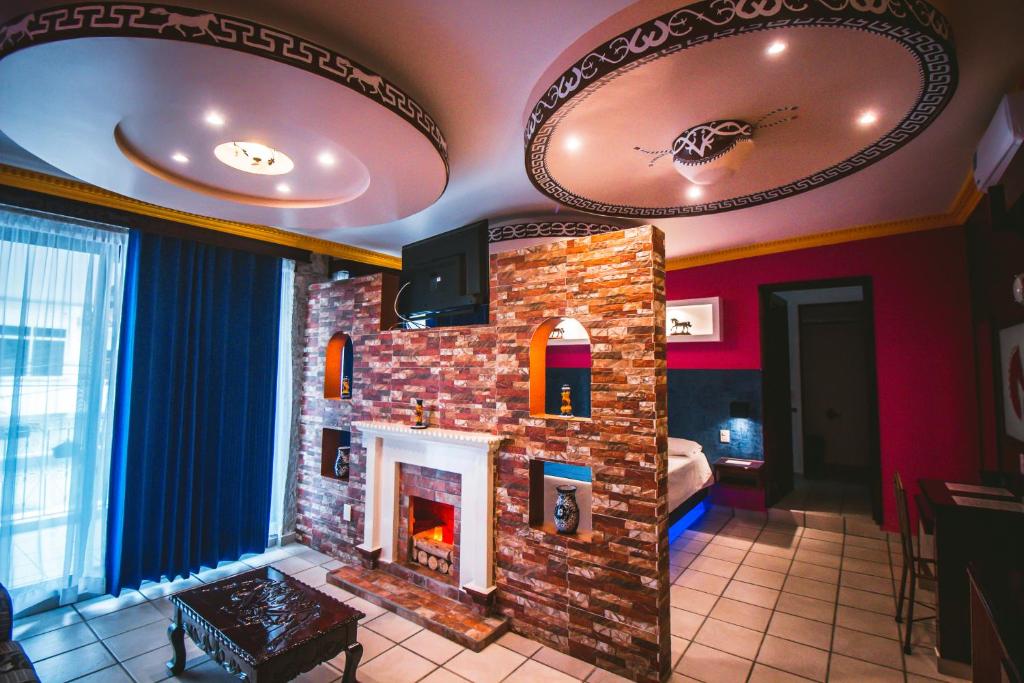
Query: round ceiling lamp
point(730, 77)
point(170, 107)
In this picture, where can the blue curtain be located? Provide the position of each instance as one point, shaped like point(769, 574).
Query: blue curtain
point(192, 458)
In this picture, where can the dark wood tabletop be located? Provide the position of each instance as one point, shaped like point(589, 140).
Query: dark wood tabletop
point(264, 624)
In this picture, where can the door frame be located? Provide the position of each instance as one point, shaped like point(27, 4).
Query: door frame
point(874, 438)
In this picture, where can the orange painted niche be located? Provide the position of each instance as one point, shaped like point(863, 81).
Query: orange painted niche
point(338, 368)
point(548, 364)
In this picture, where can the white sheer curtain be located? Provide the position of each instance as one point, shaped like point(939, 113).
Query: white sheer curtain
point(283, 413)
point(61, 285)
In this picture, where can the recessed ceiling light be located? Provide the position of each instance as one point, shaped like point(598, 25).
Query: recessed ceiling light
point(573, 143)
point(283, 188)
point(778, 47)
point(180, 158)
point(214, 118)
point(694, 192)
point(867, 118)
point(326, 159)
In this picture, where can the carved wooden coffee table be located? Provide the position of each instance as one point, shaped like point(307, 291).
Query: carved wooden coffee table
point(264, 627)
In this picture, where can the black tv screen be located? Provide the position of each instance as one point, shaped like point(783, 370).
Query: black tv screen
point(447, 273)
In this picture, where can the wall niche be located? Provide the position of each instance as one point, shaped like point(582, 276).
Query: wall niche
point(547, 480)
point(560, 362)
point(336, 453)
point(338, 368)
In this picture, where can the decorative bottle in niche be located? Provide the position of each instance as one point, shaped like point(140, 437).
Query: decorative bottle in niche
point(566, 400)
point(346, 387)
point(567, 510)
point(341, 462)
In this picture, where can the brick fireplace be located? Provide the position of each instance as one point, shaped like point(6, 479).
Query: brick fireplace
point(429, 520)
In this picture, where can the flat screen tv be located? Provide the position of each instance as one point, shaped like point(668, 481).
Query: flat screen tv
point(447, 277)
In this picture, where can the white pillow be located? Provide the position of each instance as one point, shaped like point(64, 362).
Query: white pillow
point(684, 447)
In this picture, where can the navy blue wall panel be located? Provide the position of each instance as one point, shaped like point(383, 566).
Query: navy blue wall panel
point(698, 407)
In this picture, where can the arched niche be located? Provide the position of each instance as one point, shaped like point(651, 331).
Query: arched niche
point(338, 367)
point(560, 356)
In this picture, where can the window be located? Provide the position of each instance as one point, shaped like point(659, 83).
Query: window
point(42, 346)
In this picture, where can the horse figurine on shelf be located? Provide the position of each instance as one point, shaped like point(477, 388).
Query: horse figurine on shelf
point(680, 326)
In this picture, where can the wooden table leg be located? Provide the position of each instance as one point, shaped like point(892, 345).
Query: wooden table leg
point(176, 634)
point(352, 656)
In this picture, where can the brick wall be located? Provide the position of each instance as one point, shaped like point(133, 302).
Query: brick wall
point(604, 600)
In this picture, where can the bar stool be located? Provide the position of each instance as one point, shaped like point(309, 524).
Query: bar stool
point(914, 566)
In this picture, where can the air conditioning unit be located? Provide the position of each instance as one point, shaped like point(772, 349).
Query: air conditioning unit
point(1001, 141)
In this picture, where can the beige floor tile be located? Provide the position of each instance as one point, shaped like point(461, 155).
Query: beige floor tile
point(222, 571)
point(866, 542)
point(58, 641)
point(533, 671)
point(332, 565)
point(153, 590)
point(602, 676)
point(794, 658)
point(736, 640)
point(691, 600)
point(742, 613)
point(692, 546)
point(711, 565)
point(852, 564)
point(819, 546)
point(766, 674)
point(769, 562)
point(847, 670)
point(740, 529)
point(314, 556)
point(760, 577)
point(724, 552)
point(679, 646)
point(755, 595)
point(706, 664)
point(674, 572)
point(864, 582)
point(811, 608)
point(875, 602)
point(399, 666)
point(823, 535)
point(786, 517)
point(681, 558)
point(868, 554)
point(684, 624)
point(207, 672)
point(801, 630)
point(490, 665)
point(152, 666)
point(737, 542)
point(371, 610)
point(437, 649)
point(702, 581)
point(443, 676)
point(45, 621)
point(137, 641)
point(314, 576)
point(815, 571)
point(125, 620)
point(517, 643)
point(830, 521)
point(393, 627)
point(164, 607)
point(692, 534)
point(335, 592)
point(106, 604)
point(810, 588)
point(814, 557)
point(921, 661)
point(74, 663)
point(292, 565)
point(867, 647)
point(772, 550)
point(778, 539)
point(324, 673)
point(112, 674)
point(869, 622)
point(373, 644)
point(563, 662)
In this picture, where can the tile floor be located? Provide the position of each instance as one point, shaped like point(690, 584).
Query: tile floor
point(824, 495)
point(751, 601)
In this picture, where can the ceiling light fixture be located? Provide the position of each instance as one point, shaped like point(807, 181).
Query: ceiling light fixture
point(867, 118)
point(778, 47)
point(215, 119)
point(283, 188)
point(253, 157)
point(180, 158)
point(694, 192)
point(326, 159)
point(573, 143)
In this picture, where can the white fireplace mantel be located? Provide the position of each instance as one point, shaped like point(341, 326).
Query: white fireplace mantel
point(468, 454)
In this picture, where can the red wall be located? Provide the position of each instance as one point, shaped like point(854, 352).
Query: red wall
point(927, 392)
point(569, 356)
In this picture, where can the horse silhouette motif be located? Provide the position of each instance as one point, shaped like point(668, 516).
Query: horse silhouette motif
point(202, 22)
point(13, 32)
point(680, 326)
point(367, 82)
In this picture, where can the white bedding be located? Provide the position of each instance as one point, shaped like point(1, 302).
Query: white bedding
point(688, 471)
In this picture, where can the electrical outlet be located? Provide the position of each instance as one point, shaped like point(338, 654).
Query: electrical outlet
point(346, 513)
point(723, 435)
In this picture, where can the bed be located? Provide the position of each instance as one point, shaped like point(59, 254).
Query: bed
point(689, 476)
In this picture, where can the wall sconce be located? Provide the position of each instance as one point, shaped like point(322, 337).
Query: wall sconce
point(740, 409)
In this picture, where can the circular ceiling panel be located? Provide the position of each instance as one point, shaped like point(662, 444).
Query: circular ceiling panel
point(719, 105)
point(307, 138)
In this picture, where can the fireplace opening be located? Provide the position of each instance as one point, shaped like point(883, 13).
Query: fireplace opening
point(432, 535)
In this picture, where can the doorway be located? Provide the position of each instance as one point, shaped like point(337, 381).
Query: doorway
point(820, 395)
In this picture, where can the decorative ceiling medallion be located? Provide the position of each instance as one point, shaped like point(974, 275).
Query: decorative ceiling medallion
point(253, 157)
point(712, 151)
point(522, 231)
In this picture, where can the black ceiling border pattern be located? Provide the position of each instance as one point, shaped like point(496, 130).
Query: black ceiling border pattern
point(167, 22)
point(553, 229)
point(915, 24)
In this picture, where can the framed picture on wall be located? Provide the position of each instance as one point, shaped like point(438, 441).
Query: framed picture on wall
point(694, 320)
point(1011, 352)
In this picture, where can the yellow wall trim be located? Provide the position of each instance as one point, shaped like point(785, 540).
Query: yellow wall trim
point(963, 204)
point(83, 192)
